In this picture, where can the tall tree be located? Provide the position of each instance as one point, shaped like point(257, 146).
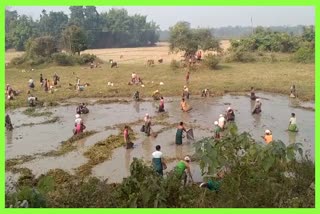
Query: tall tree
point(52, 24)
point(74, 39)
point(77, 16)
point(24, 28)
point(183, 38)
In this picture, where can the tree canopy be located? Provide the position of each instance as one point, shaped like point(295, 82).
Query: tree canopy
point(183, 38)
point(115, 28)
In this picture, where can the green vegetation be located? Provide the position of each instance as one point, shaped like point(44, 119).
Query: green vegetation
point(211, 61)
point(102, 151)
point(85, 28)
point(32, 113)
point(256, 175)
point(183, 38)
point(265, 40)
point(69, 145)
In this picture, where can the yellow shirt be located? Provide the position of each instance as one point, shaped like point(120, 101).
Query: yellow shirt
point(268, 138)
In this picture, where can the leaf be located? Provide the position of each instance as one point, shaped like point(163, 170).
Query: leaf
point(268, 162)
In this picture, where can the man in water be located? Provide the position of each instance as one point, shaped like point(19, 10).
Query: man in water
point(8, 124)
point(252, 94)
point(222, 121)
point(126, 137)
point(182, 170)
point(293, 123)
point(161, 105)
point(157, 161)
point(184, 105)
point(217, 130)
point(230, 114)
point(267, 137)
point(147, 124)
point(79, 126)
point(257, 107)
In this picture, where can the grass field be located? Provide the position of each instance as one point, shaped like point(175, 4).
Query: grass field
point(230, 77)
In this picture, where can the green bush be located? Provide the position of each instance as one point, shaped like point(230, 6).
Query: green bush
point(174, 64)
point(240, 56)
point(63, 59)
point(88, 58)
point(211, 61)
point(304, 55)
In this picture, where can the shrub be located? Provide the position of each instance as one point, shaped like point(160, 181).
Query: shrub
point(174, 64)
point(63, 59)
point(240, 56)
point(304, 55)
point(211, 61)
point(41, 47)
point(88, 58)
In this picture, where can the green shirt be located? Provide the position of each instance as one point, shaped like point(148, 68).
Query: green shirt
point(214, 185)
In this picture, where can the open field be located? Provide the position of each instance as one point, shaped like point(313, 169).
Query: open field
point(131, 55)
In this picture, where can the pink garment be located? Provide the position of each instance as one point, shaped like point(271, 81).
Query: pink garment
point(78, 128)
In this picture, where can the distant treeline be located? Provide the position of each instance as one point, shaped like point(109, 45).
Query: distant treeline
point(114, 28)
point(239, 32)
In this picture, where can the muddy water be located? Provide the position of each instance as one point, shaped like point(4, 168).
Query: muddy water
point(28, 140)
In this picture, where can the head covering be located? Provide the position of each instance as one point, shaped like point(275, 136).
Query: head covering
point(216, 123)
point(185, 86)
point(229, 108)
point(147, 115)
point(220, 115)
point(187, 158)
point(77, 115)
point(257, 100)
point(267, 131)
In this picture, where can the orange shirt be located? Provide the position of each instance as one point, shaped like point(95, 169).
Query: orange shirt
point(267, 138)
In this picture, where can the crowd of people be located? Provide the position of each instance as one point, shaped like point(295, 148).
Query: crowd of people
point(182, 169)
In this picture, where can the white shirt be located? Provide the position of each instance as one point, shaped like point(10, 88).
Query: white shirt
point(293, 120)
point(221, 122)
point(157, 154)
point(31, 98)
point(78, 120)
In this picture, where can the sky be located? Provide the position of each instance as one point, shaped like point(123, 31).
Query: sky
point(209, 16)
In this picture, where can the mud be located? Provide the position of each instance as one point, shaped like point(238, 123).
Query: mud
point(29, 140)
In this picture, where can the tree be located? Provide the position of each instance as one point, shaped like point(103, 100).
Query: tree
point(41, 47)
point(74, 39)
point(22, 29)
point(183, 38)
point(77, 16)
point(11, 20)
point(52, 24)
point(92, 24)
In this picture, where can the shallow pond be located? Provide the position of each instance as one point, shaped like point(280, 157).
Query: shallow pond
point(30, 140)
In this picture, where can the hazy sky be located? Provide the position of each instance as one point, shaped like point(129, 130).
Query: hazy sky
point(210, 16)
